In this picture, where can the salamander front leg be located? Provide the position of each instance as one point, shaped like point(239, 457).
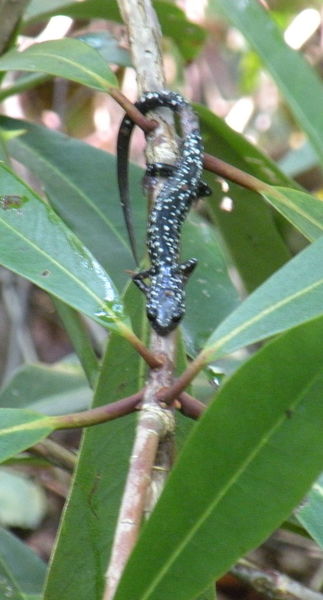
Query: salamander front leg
point(138, 279)
point(188, 267)
point(164, 170)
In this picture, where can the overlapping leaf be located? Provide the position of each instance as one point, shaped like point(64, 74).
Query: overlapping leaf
point(35, 243)
point(259, 440)
point(68, 58)
point(290, 297)
point(22, 573)
point(90, 517)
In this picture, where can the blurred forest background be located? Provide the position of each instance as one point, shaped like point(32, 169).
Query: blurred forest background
point(226, 76)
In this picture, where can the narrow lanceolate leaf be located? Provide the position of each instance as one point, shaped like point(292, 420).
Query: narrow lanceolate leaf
point(260, 439)
point(88, 180)
point(52, 389)
point(20, 429)
point(249, 230)
point(89, 520)
point(22, 573)
point(69, 58)
point(188, 36)
point(35, 243)
point(291, 296)
point(210, 296)
point(297, 80)
point(304, 211)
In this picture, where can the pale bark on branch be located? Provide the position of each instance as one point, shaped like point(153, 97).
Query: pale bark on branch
point(153, 447)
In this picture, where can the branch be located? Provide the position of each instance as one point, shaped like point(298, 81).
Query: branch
point(191, 407)
point(146, 124)
point(55, 454)
point(153, 447)
point(272, 583)
point(100, 414)
point(227, 171)
point(211, 163)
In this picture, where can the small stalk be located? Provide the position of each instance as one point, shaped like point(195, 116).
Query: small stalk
point(98, 415)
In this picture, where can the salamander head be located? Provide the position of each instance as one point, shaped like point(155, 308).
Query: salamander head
point(166, 301)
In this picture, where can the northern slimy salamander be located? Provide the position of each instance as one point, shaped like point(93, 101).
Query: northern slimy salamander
point(165, 294)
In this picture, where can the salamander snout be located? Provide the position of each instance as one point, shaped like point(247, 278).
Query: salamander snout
point(166, 306)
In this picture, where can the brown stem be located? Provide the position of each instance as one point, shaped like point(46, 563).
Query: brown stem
point(220, 167)
point(146, 124)
point(150, 358)
point(211, 163)
point(273, 584)
point(191, 407)
point(152, 451)
point(101, 414)
point(169, 395)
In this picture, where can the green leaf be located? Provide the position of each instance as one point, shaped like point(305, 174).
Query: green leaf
point(260, 439)
point(36, 244)
point(21, 429)
point(22, 573)
point(210, 295)
point(50, 390)
point(304, 211)
point(209, 594)
point(89, 9)
point(88, 180)
point(108, 46)
point(289, 69)
point(298, 161)
point(23, 502)
point(290, 297)
point(188, 36)
point(68, 58)
point(79, 335)
point(310, 513)
point(87, 529)
point(248, 230)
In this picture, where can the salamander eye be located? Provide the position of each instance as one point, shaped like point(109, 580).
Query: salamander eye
point(151, 314)
point(177, 318)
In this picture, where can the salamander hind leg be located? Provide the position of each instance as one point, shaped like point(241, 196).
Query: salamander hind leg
point(138, 279)
point(188, 267)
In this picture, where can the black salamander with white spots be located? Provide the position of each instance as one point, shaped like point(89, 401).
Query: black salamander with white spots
point(165, 294)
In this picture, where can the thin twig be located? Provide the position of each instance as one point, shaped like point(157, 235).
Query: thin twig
point(55, 454)
point(227, 171)
point(146, 124)
point(191, 407)
point(100, 414)
point(148, 355)
point(169, 395)
point(211, 163)
point(153, 432)
point(152, 452)
point(273, 584)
